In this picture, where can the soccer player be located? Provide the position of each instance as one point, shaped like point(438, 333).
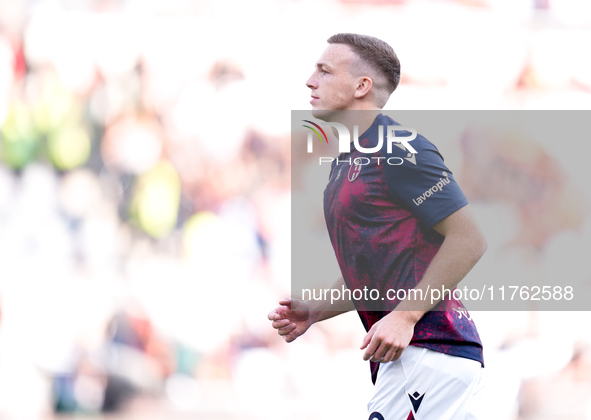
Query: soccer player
point(394, 226)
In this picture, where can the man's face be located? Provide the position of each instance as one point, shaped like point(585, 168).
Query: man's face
point(332, 84)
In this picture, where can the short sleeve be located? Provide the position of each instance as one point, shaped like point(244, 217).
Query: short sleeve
point(422, 181)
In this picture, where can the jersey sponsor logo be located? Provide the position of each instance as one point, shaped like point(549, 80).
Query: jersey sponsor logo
point(354, 170)
point(435, 188)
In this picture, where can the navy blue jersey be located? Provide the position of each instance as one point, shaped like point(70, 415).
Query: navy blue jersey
point(379, 214)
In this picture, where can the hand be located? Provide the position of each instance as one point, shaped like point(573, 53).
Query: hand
point(387, 338)
point(291, 319)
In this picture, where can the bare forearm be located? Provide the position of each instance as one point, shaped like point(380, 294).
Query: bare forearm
point(325, 309)
point(462, 247)
point(455, 258)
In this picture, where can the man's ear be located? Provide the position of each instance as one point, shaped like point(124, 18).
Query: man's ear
point(364, 85)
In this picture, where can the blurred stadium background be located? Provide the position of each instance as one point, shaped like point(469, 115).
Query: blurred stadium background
point(145, 201)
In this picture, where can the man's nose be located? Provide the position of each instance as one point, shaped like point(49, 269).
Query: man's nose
point(311, 82)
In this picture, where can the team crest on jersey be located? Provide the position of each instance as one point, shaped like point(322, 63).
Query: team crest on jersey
point(354, 170)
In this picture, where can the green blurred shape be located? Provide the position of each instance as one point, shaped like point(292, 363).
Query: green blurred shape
point(20, 140)
point(156, 200)
point(187, 359)
point(54, 106)
point(201, 234)
point(69, 147)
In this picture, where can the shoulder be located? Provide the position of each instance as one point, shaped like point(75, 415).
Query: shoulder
point(398, 136)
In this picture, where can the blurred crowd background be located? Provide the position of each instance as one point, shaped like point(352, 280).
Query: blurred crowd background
point(145, 201)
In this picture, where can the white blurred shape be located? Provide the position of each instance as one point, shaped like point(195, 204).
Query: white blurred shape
point(572, 12)
point(141, 149)
point(73, 55)
point(183, 392)
point(582, 68)
point(567, 100)
point(25, 392)
point(40, 37)
point(216, 118)
point(512, 9)
point(307, 360)
point(7, 183)
point(350, 385)
point(196, 305)
point(259, 380)
point(79, 192)
point(502, 382)
point(278, 220)
point(552, 63)
point(258, 300)
point(6, 75)
point(89, 393)
point(100, 240)
point(240, 217)
point(35, 228)
point(538, 357)
point(133, 145)
point(117, 49)
point(38, 189)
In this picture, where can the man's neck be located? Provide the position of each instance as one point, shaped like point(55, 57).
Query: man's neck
point(363, 119)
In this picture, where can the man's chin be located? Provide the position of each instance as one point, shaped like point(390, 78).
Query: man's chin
point(324, 114)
